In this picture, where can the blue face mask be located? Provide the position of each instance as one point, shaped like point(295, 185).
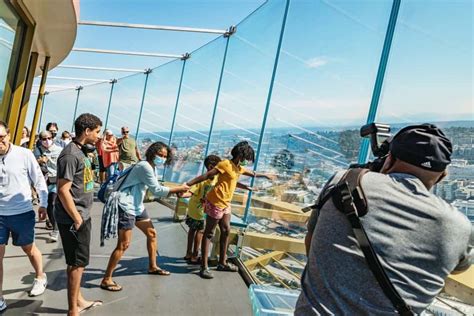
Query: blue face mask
point(159, 161)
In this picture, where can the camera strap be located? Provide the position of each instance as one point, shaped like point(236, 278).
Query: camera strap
point(349, 198)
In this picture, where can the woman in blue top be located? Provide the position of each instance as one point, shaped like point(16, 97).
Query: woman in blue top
point(132, 210)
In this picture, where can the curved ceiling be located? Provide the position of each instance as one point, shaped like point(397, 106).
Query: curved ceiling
point(56, 28)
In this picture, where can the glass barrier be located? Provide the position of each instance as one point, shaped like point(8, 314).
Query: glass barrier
point(58, 107)
point(125, 105)
point(194, 112)
point(321, 97)
point(159, 104)
point(30, 113)
point(94, 99)
point(429, 80)
point(245, 83)
point(9, 25)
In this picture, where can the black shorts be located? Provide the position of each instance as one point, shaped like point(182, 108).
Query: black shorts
point(76, 245)
point(101, 164)
point(127, 221)
point(194, 224)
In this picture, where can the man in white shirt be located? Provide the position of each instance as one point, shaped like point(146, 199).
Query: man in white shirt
point(19, 170)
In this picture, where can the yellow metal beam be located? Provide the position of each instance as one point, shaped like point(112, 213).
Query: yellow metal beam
point(272, 214)
point(39, 101)
point(17, 80)
point(264, 259)
point(277, 243)
point(461, 285)
point(23, 109)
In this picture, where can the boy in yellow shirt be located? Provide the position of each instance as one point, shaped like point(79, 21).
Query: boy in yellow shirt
point(195, 217)
point(218, 200)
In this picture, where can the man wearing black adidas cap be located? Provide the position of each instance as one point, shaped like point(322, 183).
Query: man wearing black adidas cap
point(419, 238)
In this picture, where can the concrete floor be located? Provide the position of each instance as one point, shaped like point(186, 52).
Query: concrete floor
point(182, 293)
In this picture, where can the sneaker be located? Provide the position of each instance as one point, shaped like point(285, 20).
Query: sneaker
point(3, 304)
point(53, 236)
point(205, 274)
point(39, 286)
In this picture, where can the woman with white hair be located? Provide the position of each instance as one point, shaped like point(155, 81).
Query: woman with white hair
point(47, 153)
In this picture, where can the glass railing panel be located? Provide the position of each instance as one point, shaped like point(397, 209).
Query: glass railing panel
point(433, 84)
point(59, 108)
point(194, 112)
point(321, 97)
point(126, 102)
point(246, 81)
point(159, 105)
point(94, 99)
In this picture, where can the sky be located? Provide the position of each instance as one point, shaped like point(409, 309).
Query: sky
point(326, 72)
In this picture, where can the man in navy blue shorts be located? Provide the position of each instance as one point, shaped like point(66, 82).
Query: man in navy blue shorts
point(18, 171)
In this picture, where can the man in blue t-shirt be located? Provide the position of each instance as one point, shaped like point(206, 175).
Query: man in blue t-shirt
point(419, 238)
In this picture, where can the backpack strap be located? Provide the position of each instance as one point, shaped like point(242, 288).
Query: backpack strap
point(349, 198)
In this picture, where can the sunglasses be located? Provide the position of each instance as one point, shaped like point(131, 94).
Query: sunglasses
point(125, 132)
point(46, 138)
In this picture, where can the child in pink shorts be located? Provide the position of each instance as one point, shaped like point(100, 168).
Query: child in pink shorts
point(218, 202)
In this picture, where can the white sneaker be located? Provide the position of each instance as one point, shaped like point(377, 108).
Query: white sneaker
point(53, 236)
point(39, 286)
point(3, 304)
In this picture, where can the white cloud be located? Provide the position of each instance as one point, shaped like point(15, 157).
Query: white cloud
point(318, 61)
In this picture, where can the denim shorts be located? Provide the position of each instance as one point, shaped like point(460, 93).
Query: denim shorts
point(21, 227)
point(127, 221)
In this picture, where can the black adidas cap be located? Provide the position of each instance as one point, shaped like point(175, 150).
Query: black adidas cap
point(424, 146)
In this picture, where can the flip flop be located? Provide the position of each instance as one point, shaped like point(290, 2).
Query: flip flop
point(159, 272)
point(92, 306)
point(112, 287)
point(197, 261)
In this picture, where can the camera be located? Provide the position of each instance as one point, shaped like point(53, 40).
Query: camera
point(380, 138)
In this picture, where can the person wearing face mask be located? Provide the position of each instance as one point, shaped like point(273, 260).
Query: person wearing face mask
point(132, 210)
point(19, 170)
point(47, 154)
point(53, 129)
point(217, 205)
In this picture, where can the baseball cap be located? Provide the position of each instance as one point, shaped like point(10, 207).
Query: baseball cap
point(424, 146)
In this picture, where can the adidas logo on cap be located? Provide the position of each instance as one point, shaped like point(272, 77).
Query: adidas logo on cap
point(426, 164)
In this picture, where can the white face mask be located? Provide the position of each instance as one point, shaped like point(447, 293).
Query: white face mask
point(67, 141)
point(47, 143)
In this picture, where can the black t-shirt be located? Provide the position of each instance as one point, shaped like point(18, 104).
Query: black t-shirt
point(74, 166)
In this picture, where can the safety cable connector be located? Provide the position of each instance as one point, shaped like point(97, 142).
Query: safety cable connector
point(148, 71)
point(79, 88)
point(186, 56)
point(113, 81)
point(230, 31)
